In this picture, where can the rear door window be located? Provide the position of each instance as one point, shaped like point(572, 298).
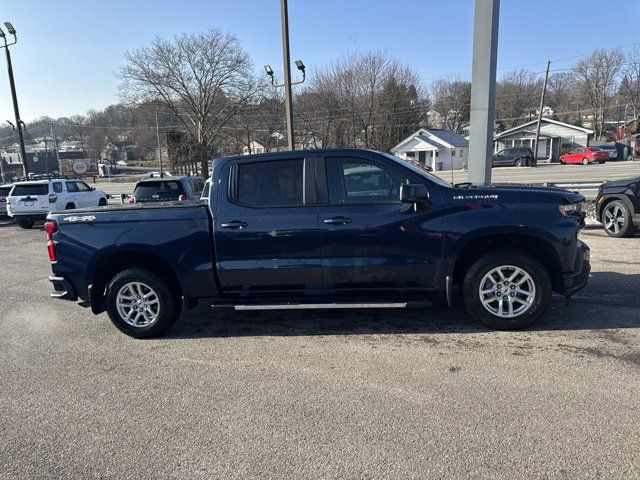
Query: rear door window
point(278, 183)
point(158, 190)
point(32, 190)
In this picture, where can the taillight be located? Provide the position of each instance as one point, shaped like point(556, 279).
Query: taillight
point(183, 197)
point(53, 198)
point(132, 199)
point(51, 228)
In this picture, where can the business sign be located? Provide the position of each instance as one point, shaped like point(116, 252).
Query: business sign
point(79, 167)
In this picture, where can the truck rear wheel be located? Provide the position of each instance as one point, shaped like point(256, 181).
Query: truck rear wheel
point(140, 303)
point(25, 222)
point(507, 289)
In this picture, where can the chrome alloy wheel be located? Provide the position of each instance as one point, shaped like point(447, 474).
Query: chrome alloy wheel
point(614, 218)
point(138, 304)
point(507, 291)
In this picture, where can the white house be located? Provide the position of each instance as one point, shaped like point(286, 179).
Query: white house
point(555, 137)
point(439, 149)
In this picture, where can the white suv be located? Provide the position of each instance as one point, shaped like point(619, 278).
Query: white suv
point(31, 201)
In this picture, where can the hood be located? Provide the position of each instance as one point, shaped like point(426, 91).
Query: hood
point(624, 182)
point(526, 189)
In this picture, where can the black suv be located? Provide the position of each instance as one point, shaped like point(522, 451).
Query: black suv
point(167, 188)
point(515, 157)
point(618, 206)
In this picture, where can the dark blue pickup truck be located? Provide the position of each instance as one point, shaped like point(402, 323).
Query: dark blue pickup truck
point(323, 229)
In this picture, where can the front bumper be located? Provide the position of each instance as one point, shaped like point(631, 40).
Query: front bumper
point(577, 280)
point(62, 289)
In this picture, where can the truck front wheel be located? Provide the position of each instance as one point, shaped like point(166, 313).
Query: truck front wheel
point(507, 289)
point(140, 303)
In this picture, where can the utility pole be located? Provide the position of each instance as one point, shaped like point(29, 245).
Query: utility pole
point(483, 89)
point(158, 139)
point(46, 155)
point(55, 145)
point(544, 92)
point(288, 98)
point(14, 97)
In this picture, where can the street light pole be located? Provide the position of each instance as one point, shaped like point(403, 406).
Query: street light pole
point(288, 99)
point(14, 96)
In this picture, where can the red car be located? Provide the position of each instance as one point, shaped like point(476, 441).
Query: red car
point(585, 156)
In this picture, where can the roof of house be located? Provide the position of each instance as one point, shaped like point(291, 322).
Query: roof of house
point(548, 120)
point(436, 137)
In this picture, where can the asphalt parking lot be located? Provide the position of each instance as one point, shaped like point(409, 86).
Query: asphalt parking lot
point(338, 394)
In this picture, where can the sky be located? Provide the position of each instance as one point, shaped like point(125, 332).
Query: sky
point(69, 51)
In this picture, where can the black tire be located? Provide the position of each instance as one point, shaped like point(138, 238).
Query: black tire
point(585, 161)
point(25, 223)
point(626, 229)
point(168, 312)
point(518, 162)
point(102, 202)
point(506, 257)
point(70, 206)
point(562, 161)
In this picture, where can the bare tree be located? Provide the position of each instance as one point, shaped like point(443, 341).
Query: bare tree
point(517, 97)
point(451, 99)
point(204, 79)
point(366, 100)
point(630, 83)
point(597, 79)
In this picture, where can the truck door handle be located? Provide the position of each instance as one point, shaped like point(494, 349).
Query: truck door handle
point(337, 220)
point(234, 224)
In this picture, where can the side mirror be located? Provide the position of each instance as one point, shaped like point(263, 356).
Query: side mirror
point(414, 193)
point(93, 189)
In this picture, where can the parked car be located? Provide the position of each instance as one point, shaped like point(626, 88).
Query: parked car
point(585, 156)
point(160, 189)
point(289, 230)
point(420, 165)
point(611, 150)
point(4, 193)
point(515, 157)
point(33, 200)
point(122, 163)
point(618, 207)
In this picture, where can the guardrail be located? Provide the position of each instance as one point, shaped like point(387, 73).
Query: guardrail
point(588, 189)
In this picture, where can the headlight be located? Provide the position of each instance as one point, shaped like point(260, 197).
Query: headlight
point(573, 209)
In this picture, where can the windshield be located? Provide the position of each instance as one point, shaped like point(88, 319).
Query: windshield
point(30, 189)
point(417, 170)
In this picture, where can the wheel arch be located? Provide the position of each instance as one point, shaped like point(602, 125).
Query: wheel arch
point(612, 197)
point(537, 247)
point(110, 264)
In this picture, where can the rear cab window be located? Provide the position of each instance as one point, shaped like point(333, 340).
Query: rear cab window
point(274, 183)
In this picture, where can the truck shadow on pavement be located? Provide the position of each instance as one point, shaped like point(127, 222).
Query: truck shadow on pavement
point(593, 308)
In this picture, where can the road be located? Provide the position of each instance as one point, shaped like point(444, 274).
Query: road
point(552, 173)
point(339, 394)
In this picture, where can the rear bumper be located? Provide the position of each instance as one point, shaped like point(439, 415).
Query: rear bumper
point(62, 289)
point(577, 280)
